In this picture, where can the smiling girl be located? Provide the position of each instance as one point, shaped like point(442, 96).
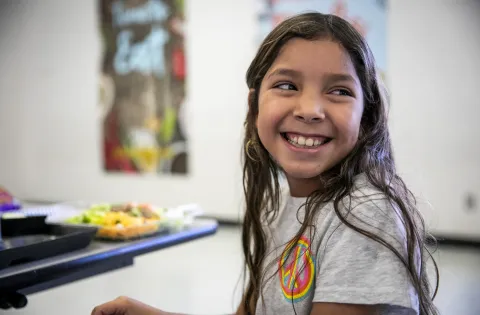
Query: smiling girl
point(343, 235)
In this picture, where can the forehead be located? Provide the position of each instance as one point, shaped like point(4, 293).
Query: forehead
point(314, 56)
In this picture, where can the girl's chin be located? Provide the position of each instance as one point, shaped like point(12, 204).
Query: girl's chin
point(304, 169)
point(302, 173)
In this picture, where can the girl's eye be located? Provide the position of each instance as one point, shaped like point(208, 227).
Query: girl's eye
point(341, 92)
point(286, 87)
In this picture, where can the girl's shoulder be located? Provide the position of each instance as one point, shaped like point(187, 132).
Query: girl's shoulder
point(370, 211)
point(369, 202)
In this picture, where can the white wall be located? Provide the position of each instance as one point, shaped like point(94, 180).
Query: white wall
point(434, 75)
point(50, 137)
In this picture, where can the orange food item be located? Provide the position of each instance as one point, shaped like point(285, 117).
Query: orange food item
point(125, 233)
point(121, 226)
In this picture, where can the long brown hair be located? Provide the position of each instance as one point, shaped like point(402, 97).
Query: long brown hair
point(371, 156)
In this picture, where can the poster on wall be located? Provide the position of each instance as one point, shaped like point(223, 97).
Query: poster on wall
point(367, 16)
point(142, 86)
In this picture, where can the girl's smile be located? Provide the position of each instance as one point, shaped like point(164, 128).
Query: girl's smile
point(305, 143)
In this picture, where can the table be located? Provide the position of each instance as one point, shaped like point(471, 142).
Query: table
point(99, 257)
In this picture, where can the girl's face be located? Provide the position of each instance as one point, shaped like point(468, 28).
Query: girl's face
point(310, 108)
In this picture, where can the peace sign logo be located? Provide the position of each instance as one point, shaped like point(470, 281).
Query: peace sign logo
point(297, 270)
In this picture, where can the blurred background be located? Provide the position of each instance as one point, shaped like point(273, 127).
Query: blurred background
point(76, 109)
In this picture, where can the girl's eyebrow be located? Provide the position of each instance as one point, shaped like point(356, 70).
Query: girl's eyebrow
point(330, 78)
point(285, 72)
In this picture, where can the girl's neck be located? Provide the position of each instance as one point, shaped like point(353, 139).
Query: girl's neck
point(301, 187)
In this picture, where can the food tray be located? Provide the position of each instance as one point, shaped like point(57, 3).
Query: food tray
point(31, 238)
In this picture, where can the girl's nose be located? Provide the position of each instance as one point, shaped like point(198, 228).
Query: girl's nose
point(309, 110)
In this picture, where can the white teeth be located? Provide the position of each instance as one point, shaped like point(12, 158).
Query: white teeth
point(301, 141)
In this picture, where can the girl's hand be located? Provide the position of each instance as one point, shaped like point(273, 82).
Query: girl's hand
point(126, 306)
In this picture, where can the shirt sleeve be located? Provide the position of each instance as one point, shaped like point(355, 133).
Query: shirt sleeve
point(354, 269)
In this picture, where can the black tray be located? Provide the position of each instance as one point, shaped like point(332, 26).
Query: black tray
point(30, 238)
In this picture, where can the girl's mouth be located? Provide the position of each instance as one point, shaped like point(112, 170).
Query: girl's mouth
point(305, 142)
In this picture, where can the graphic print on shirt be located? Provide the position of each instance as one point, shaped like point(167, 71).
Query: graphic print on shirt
point(297, 270)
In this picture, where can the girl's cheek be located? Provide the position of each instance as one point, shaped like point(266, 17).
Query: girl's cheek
point(347, 123)
point(271, 111)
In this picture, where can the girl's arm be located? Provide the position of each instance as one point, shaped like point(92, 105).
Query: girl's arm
point(128, 306)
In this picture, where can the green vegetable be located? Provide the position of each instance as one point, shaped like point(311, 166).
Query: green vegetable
point(95, 215)
point(136, 212)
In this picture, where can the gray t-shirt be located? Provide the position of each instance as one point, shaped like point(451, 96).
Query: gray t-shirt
point(334, 263)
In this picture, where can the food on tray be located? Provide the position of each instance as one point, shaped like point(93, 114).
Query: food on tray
point(122, 221)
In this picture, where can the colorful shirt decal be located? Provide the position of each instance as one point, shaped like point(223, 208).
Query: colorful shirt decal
point(297, 270)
